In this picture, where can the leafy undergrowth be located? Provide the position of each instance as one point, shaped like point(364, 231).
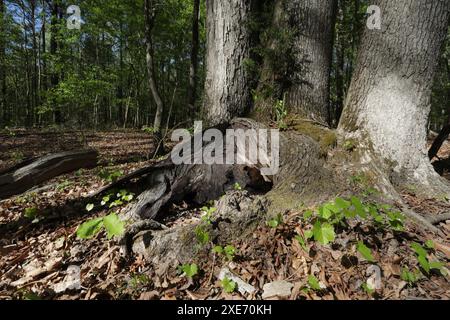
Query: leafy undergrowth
point(342, 250)
point(351, 248)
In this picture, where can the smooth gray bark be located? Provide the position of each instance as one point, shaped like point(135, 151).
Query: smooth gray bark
point(149, 12)
point(388, 102)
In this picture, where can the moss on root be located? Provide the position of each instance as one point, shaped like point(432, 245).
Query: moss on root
point(326, 138)
point(295, 193)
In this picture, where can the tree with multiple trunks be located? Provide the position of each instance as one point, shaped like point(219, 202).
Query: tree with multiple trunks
point(383, 122)
point(286, 61)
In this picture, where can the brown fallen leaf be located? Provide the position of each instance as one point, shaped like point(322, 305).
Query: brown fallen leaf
point(443, 248)
point(152, 295)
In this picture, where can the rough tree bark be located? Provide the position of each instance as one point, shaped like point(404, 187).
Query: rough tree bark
point(389, 97)
point(3, 107)
point(297, 67)
point(227, 92)
point(150, 12)
point(193, 72)
point(445, 131)
point(310, 96)
point(54, 79)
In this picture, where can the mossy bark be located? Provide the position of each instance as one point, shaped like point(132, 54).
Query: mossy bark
point(297, 61)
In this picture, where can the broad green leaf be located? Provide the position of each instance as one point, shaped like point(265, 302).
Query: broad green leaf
point(116, 203)
point(409, 276)
point(328, 210)
point(342, 204)
point(113, 225)
point(202, 235)
point(122, 193)
point(309, 234)
point(323, 232)
point(31, 296)
point(429, 244)
point(228, 285)
point(314, 283)
point(218, 249)
point(275, 222)
point(349, 213)
point(90, 228)
point(89, 207)
point(190, 270)
point(367, 288)
point(128, 197)
point(365, 252)
point(360, 211)
point(272, 223)
point(308, 214)
point(423, 261)
point(436, 265)
point(230, 251)
point(421, 251)
point(374, 213)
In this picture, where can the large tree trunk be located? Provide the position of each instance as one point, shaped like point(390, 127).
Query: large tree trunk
point(193, 72)
point(297, 63)
point(54, 79)
point(150, 11)
point(389, 97)
point(340, 65)
point(309, 97)
point(3, 107)
point(227, 91)
point(445, 132)
point(34, 69)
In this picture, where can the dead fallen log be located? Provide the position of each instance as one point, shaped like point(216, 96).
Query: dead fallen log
point(27, 175)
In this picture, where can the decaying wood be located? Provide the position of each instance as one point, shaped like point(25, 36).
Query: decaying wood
point(198, 183)
point(302, 173)
point(28, 175)
point(137, 174)
point(304, 177)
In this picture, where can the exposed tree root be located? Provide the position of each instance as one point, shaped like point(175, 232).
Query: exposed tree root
point(238, 213)
point(440, 218)
point(304, 177)
point(421, 222)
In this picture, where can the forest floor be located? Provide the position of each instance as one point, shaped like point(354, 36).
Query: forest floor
point(38, 255)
